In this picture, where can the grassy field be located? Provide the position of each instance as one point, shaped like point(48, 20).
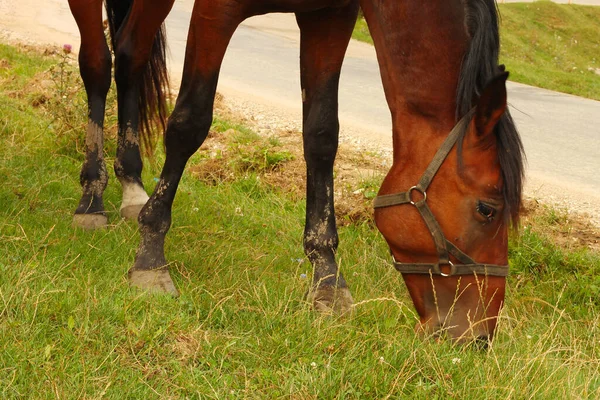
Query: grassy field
point(70, 327)
point(553, 46)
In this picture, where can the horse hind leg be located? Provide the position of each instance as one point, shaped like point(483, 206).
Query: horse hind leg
point(94, 66)
point(136, 44)
point(324, 38)
point(187, 129)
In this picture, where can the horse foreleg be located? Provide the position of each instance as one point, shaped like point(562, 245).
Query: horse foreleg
point(94, 67)
point(187, 129)
point(135, 45)
point(324, 38)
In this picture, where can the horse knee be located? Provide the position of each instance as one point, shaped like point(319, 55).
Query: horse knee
point(129, 66)
point(186, 131)
point(321, 139)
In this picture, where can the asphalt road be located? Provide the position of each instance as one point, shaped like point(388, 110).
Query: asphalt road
point(561, 133)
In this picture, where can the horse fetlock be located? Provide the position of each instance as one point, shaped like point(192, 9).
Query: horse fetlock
point(93, 185)
point(151, 253)
point(134, 199)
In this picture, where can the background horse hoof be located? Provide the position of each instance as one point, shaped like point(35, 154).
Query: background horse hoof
point(154, 280)
point(131, 212)
point(331, 300)
point(90, 221)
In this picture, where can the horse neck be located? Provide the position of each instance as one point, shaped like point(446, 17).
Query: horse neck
point(420, 48)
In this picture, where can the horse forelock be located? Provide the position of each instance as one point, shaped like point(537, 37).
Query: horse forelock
point(479, 67)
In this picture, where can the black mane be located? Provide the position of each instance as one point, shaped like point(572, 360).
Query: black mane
point(479, 66)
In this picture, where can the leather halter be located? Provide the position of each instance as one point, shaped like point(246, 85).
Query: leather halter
point(444, 247)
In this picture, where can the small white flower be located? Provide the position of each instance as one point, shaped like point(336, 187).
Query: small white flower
point(302, 276)
point(195, 209)
point(313, 364)
point(529, 336)
point(456, 360)
point(381, 360)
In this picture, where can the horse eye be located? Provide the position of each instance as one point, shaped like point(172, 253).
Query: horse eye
point(487, 211)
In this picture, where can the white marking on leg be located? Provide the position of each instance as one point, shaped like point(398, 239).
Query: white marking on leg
point(133, 194)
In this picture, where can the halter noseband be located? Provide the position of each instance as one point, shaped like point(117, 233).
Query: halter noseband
point(444, 247)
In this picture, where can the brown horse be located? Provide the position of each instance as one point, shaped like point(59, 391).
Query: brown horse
point(141, 78)
point(455, 183)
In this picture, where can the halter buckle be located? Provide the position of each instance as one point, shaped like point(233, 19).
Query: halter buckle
point(418, 189)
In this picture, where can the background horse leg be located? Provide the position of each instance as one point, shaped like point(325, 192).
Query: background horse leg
point(210, 31)
point(139, 69)
point(324, 38)
point(94, 67)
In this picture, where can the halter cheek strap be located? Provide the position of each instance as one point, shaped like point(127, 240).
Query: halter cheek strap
point(444, 248)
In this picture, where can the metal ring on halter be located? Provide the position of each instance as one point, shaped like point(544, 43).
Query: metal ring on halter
point(452, 269)
point(418, 189)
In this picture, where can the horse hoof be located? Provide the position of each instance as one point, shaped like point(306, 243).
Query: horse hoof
point(131, 212)
point(330, 300)
point(153, 281)
point(90, 221)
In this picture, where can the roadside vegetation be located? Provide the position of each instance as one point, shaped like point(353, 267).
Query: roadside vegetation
point(548, 45)
point(70, 327)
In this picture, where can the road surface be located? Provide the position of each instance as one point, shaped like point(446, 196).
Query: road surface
point(561, 133)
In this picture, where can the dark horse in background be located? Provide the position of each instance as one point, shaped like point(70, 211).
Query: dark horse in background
point(454, 188)
point(142, 85)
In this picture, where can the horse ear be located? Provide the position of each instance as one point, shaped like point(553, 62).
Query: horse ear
point(491, 105)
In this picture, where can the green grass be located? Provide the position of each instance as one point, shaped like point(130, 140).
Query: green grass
point(70, 327)
point(548, 45)
point(361, 31)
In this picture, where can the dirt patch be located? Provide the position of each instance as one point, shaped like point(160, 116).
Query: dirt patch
point(568, 230)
